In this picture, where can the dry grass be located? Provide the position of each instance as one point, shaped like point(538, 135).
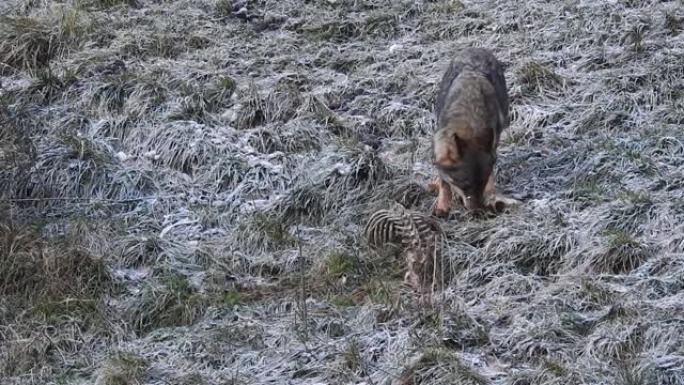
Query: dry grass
point(172, 303)
point(32, 42)
point(122, 369)
point(183, 188)
point(57, 294)
point(32, 270)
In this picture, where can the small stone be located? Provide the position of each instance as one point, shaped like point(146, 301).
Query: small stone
point(395, 47)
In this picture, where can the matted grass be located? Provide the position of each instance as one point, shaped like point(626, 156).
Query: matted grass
point(184, 185)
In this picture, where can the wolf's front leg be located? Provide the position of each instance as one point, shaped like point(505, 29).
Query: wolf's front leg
point(490, 187)
point(443, 205)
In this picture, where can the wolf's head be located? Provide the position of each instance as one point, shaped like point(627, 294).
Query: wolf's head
point(466, 166)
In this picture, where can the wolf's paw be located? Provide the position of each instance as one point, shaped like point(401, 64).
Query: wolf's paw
point(440, 212)
point(499, 203)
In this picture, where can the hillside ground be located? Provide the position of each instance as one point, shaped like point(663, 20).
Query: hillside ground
point(184, 186)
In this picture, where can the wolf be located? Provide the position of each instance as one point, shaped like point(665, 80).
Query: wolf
point(471, 111)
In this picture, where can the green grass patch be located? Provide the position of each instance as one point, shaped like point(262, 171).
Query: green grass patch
point(338, 263)
point(122, 368)
point(112, 3)
point(232, 298)
point(265, 231)
point(535, 77)
point(343, 300)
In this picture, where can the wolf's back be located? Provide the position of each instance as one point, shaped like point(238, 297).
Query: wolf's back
point(484, 62)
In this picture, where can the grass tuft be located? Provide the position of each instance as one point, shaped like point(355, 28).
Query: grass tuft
point(159, 44)
point(199, 103)
point(31, 270)
point(224, 8)
point(31, 43)
point(123, 368)
point(265, 232)
point(353, 361)
point(343, 300)
point(113, 3)
point(366, 171)
point(27, 43)
point(535, 78)
point(635, 37)
point(673, 24)
point(252, 111)
point(440, 366)
point(56, 291)
point(303, 204)
point(283, 101)
point(338, 263)
point(286, 139)
point(48, 87)
point(172, 302)
point(536, 251)
point(113, 92)
point(622, 254)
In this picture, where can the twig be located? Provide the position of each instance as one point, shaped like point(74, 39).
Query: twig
point(302, 301)
point(94, 200)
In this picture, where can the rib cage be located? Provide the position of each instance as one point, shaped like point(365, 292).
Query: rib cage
point(418, 235)
point(401, 227)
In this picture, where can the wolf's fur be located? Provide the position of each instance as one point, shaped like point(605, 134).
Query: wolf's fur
point(471, 110)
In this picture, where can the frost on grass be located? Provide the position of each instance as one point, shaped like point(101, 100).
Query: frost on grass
point(57, 292)
point(31, 42)
point(174, 302)
point(121, 368)
point(183, 202)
